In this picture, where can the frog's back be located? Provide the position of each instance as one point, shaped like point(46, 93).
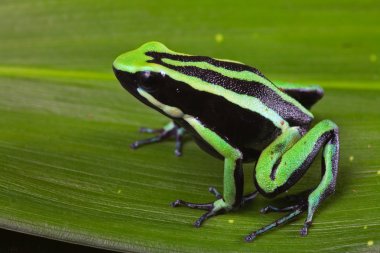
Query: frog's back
point(233, 87)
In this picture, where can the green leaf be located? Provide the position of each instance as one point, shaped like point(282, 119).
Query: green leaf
point(66, 169)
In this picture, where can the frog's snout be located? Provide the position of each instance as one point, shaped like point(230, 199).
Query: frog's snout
point(126, 80)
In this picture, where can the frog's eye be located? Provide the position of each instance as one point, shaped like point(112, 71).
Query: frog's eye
point(149, 81)
point(145, 74)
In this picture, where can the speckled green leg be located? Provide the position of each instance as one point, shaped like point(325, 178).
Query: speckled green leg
point(170, 130)
point(326, 187)
point(283, 163)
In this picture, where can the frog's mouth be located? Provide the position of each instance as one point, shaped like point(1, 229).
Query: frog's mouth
point(130, 83)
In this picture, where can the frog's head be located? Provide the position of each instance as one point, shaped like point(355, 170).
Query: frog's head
point(134, 71)
point(147, 78)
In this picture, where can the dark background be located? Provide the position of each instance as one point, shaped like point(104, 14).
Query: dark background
point(14, 242)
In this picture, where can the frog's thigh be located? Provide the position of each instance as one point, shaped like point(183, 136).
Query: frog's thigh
point(233, 172)
point(266, 180)
point(276, 172)
point(306, 95)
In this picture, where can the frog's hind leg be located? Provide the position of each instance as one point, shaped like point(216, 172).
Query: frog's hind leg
point(306, 95)
point(168, 131)
point(286, 160)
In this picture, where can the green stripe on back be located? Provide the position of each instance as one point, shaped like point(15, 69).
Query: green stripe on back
point(242, 75)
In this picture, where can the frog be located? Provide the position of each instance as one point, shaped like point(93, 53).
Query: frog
point(235, 113)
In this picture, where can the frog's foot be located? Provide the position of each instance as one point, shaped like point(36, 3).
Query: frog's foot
point(213, 208)
point(270, 208)
point(295, 210)
point(300, 199)
point(168, 131)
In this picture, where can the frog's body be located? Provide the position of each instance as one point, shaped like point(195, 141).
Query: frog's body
point(235, 113)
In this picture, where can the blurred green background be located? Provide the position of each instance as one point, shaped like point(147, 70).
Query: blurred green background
point(313, 40)
point(66, 171)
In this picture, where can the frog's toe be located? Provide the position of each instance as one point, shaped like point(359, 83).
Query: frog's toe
point(198, 223)
point(213, 208)
point(215, 192)
point(168, 131)
point(295, 211)
point(203, 206)
point(249, 197)
point(150, 130)
point(209, 214)
point(270, 208)
point(305, 229)
point(218, 207)
point(299, 201)
point(178, 143)
point(154, 139)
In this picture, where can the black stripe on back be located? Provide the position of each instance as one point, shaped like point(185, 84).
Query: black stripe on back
point(267, 96)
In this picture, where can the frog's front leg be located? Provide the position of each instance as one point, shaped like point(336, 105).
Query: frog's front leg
point(233, 176)
point(286, 160)
point(168, 131)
